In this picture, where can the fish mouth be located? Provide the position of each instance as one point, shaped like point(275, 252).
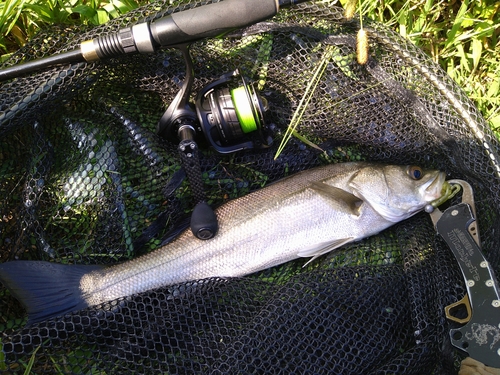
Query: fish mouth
point(435, 187)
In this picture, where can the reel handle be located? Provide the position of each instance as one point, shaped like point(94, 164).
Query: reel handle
point(178, 123)
point(204, 224)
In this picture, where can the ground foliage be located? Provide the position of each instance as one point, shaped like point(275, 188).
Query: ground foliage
point(461, 36)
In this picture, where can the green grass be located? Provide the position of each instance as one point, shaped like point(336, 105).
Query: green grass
point(20, 20)
point(462, 36)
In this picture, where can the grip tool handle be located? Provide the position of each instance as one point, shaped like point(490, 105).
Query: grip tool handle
point(479, 337)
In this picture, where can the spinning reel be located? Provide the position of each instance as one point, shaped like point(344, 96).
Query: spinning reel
point(230, 118)
point(229, 114)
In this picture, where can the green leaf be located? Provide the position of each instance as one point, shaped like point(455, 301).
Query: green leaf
point(306, 141)
point(477, 50)
point(102, 17)
point(31, 362)
point(11, 10)
point(494, 88)
point(42, 12)
point(124, 6)
point(85, 11)
point(495, 122)
point(450, 37)
point(111, 10)
point(464, 61)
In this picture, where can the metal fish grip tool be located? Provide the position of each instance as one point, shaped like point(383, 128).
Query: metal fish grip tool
point(479, 336)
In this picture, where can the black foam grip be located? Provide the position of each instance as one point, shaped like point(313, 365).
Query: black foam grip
point(210, 20)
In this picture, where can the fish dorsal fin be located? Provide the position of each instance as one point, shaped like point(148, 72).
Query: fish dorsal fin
point(319, 249)
point(353, 203)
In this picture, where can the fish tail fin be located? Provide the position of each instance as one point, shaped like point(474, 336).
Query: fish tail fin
point(45, 289)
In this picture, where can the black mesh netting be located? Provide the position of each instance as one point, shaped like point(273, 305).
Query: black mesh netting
point(84, 179)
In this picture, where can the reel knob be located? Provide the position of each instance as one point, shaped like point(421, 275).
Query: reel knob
point(204, 224)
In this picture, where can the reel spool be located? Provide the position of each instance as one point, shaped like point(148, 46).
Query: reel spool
point(232, 119)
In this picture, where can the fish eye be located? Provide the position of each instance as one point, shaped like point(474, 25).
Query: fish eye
point(415, 172)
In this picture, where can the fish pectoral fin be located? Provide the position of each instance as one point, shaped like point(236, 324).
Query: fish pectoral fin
point(353, 203)
point(322, 248)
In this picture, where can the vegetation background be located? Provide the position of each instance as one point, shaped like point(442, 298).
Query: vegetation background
point(462, 36)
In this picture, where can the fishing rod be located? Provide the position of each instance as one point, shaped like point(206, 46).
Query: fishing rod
point(184, 27)
point(228, 112)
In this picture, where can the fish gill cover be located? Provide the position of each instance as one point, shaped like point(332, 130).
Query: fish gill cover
point(80, 184)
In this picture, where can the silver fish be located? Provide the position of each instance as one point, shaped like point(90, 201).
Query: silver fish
point(305, 215)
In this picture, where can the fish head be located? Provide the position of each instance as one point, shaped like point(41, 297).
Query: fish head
point(397, 192)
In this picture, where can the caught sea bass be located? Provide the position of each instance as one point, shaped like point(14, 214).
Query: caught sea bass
point(305, 215)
